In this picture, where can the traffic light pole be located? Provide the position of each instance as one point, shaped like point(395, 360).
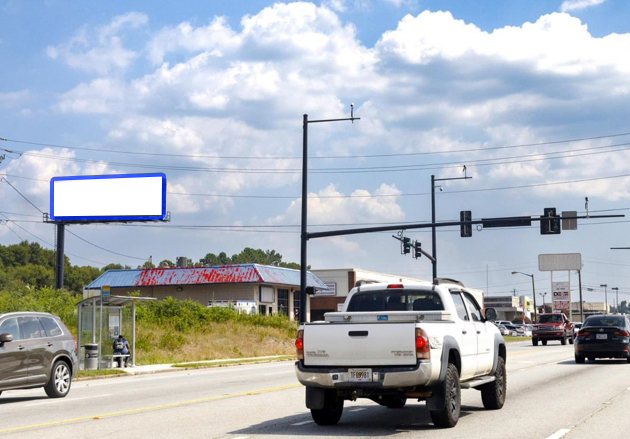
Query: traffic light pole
point(433, 228)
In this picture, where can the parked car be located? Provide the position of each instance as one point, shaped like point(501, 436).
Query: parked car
point(527, 332)
point(36, 350)
point(576, 327)
point(604, 336)
point(503, 330)
point(552, 326)
point(511, 329)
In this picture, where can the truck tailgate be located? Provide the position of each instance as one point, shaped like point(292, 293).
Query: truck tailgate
point(362, 344)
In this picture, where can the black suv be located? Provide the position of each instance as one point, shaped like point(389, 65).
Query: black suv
point(36, 350)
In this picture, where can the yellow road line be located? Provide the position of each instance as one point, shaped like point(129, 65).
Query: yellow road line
point(150, 408)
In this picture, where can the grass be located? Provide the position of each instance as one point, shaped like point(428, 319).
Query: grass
point(202, 365)
point(98, 373)
point(510, 338)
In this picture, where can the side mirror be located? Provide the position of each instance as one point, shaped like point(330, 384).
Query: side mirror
point(5, 338)
point(491, 314)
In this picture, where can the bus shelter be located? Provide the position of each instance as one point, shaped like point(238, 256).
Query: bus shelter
point(101, 319)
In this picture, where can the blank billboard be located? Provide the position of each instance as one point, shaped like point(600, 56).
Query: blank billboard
point(112, 197)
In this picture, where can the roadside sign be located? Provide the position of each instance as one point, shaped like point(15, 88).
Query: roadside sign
point(569, 224)
point(105, 291)
point(560, 262)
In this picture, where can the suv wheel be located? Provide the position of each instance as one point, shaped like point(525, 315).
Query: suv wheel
point(544, 342)
point(571, 338)
point(60, 380)
point(535, 341)
point(493, 394)
point(448, 416)
point(563, 340)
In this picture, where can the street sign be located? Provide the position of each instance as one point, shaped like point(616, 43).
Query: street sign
point(569, 224)
point(560, 262)
point(105, 291)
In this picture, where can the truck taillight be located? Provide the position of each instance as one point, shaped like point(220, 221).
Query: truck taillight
point(299, 344)
point(393, 286)
point(423, 350)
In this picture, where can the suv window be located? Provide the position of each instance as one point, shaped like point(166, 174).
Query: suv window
point(31, 328)
point(473, 308)
point(10, 326)
point(51, 326)
point(459, 305)
point(396, 300)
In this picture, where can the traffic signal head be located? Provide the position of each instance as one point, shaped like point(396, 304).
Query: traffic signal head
point(550, 222)
point(465, 230)
point(406, 245)
point(417, 247)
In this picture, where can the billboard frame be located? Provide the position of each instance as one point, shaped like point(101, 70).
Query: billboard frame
point(163, 216)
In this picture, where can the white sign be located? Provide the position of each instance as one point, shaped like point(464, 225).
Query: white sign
point(561, 298)
point(114, 326)
point(560, 262)
point(108, 197)
point(266, 294)
point(331, 290)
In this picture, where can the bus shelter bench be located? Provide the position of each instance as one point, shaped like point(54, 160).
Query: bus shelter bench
point(111, 360)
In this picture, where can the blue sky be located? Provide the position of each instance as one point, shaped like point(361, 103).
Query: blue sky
point(437, 84)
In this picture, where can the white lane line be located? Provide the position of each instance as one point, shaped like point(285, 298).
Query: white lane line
point(55, 401)
point(358, 410)
point(558, 434)
point(303, 423)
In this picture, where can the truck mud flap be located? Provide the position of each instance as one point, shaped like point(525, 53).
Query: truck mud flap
point(315, 398)
point(438, 399)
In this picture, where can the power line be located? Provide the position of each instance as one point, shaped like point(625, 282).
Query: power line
point(556, 142)
point(29, 201)
point(5, 223)
point(102, 248)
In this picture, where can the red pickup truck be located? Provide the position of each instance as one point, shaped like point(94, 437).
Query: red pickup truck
point(552, 326)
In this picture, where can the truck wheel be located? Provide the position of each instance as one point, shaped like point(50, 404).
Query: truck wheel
point(570, 340)
point(493, 394)
point(544, 342)
point(579, 359)
point(563, 341)
point(395, 402)
point(448, 416)
point(535, 341)
point(330, 414)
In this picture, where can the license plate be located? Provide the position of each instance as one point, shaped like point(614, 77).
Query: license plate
point(601, 336)
point(360, 375)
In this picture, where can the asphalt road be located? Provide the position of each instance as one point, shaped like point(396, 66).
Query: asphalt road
point(549, 396)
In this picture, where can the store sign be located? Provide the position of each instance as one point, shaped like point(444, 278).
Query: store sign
point(561, 297)
point(331, 290)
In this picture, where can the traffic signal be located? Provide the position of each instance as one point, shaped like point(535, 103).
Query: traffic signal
point(465, 230)
point(406, 245)
point(550, 222)
point(417, 247)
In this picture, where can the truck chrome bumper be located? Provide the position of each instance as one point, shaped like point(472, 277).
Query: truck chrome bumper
point(382, 377)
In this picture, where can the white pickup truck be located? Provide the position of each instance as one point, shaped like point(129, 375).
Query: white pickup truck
point(392, 342)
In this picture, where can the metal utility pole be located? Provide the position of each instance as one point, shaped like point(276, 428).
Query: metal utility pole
point(433, 229)
point(581, 302)
point(304, 233)
point(543, 297)
point(617, 299)
point(605, 295)
point(533, 290)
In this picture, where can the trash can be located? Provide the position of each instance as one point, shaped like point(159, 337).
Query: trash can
point(91, 356)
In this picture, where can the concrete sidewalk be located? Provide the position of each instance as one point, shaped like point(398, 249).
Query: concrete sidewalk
point(155, 368)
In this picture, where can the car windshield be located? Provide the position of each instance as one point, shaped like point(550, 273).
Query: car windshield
point(554, 318)
point(604, 321)
point(396, 300)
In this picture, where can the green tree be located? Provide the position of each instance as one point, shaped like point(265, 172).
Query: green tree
point(114, 267)
point(147, 264)
point(166, 263)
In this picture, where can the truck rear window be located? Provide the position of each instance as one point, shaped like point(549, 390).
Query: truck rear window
point(396, 300)
point(554, 318)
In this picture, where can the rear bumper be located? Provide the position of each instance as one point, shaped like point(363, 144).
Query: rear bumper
point(603, 350)
point(383, 377)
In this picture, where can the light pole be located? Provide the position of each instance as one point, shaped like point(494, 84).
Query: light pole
point(433, 229)
point(533, 290)
point(543, 297)
point(605, 295)
point(617, 299)
point(304, 237)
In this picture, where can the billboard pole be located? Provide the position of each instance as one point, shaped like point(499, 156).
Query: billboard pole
point(61, 229)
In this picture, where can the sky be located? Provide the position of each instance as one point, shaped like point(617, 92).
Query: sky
point(532, 97)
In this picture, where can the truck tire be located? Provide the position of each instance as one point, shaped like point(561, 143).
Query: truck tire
point(535, 341)
point(571, 339)
point(395, 402)
point(330, 414)
point(493, 394)
point(544, 342)
point(448, 416)
point(563, 341)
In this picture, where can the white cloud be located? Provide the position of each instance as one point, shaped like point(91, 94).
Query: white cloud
point(578, 5)
point(101, 51)
point(14, 98)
